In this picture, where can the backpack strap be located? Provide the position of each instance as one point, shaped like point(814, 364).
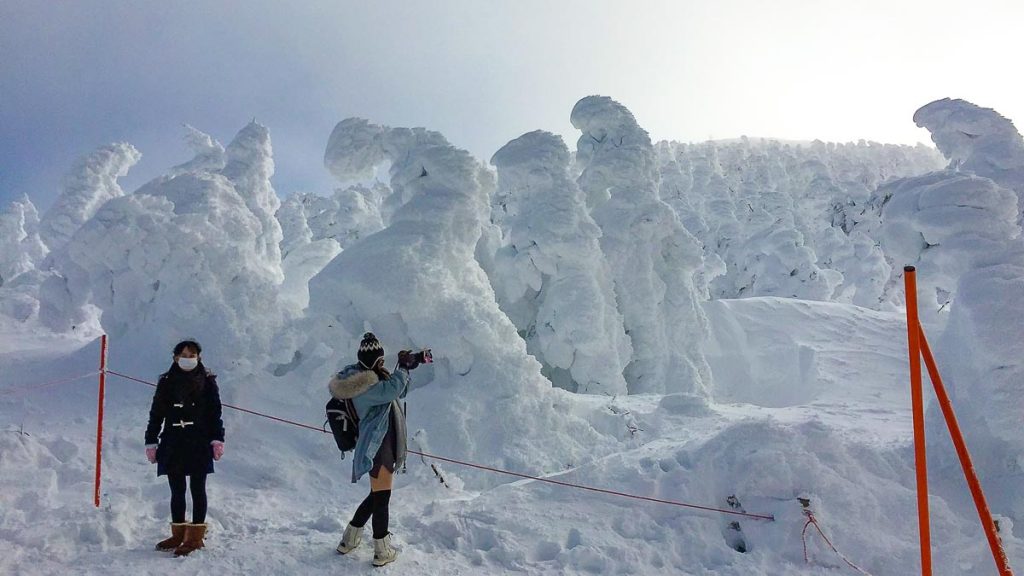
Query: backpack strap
point(353, 415)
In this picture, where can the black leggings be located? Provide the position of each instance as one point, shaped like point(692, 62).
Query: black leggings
point(375, 504)
point(198, 488)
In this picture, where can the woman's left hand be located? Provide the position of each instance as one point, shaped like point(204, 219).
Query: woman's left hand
point(218, 449)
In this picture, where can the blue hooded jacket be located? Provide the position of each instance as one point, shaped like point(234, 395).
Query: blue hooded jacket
point(374, 400)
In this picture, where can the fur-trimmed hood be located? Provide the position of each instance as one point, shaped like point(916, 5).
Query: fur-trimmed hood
point(351, 382)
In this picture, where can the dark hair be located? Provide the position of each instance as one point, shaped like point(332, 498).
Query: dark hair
point(192, 344)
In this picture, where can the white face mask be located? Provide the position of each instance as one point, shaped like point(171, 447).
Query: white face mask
point(188, 364)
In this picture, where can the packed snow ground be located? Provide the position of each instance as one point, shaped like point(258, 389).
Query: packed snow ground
point(840, 436)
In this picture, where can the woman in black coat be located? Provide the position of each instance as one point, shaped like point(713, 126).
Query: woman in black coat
point(186, 407)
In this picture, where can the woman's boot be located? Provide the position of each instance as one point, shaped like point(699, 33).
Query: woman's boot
point(383, 552)
point(194, 534)
point(177, 536)
point(350, 539)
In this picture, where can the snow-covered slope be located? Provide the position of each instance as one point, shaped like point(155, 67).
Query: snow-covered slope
point(280, 498)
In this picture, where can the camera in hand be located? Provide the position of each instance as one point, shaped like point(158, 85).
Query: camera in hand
point(410, 360)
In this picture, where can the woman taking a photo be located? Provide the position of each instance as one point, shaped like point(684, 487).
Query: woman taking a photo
point(381, 446)
point(184, 436)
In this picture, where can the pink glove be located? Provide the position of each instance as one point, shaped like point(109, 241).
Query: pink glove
point(218, 449)
point(151, 454)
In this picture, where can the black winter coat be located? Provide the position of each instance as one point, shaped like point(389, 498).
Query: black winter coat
point(186, 406)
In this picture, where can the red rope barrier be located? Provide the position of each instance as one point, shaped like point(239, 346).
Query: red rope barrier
point(768, 517)
point(24, 389)
point(240, 409)
point(811, 520)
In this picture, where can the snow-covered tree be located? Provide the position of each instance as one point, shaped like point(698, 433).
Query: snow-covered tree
point(550, 276)
point(21, 253)
point(981, 357)
point(976, 140)
point(182, 256)
point(942, 222)
point(249, 166)
point(301, 264)
point(772, 257)
point(347, 216)
point(21, 249)
point(295, 230)
point(417, 284)
point(88, 185)
point(208, 153)
point(960, 228)
point(765, 205)
point(652, 258)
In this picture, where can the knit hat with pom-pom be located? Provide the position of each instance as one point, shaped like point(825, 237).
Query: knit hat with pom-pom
point(370, 350)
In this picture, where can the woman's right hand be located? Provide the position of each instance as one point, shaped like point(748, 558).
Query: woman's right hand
point(151, 454)
point(407, 360)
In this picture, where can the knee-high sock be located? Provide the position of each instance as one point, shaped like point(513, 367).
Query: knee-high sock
point(380, 513)
point(363, 512)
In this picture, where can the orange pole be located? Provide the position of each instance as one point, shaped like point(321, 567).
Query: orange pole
point(965, 460)
point(917, 404)
point(99, 417)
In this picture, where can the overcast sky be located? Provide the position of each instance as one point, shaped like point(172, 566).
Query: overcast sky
point(78, 74)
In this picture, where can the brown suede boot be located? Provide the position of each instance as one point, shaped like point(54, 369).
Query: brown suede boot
point(177, 536)
point(194, 534)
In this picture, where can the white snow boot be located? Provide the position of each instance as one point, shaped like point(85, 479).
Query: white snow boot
point(350, 539)
point(383, 552)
